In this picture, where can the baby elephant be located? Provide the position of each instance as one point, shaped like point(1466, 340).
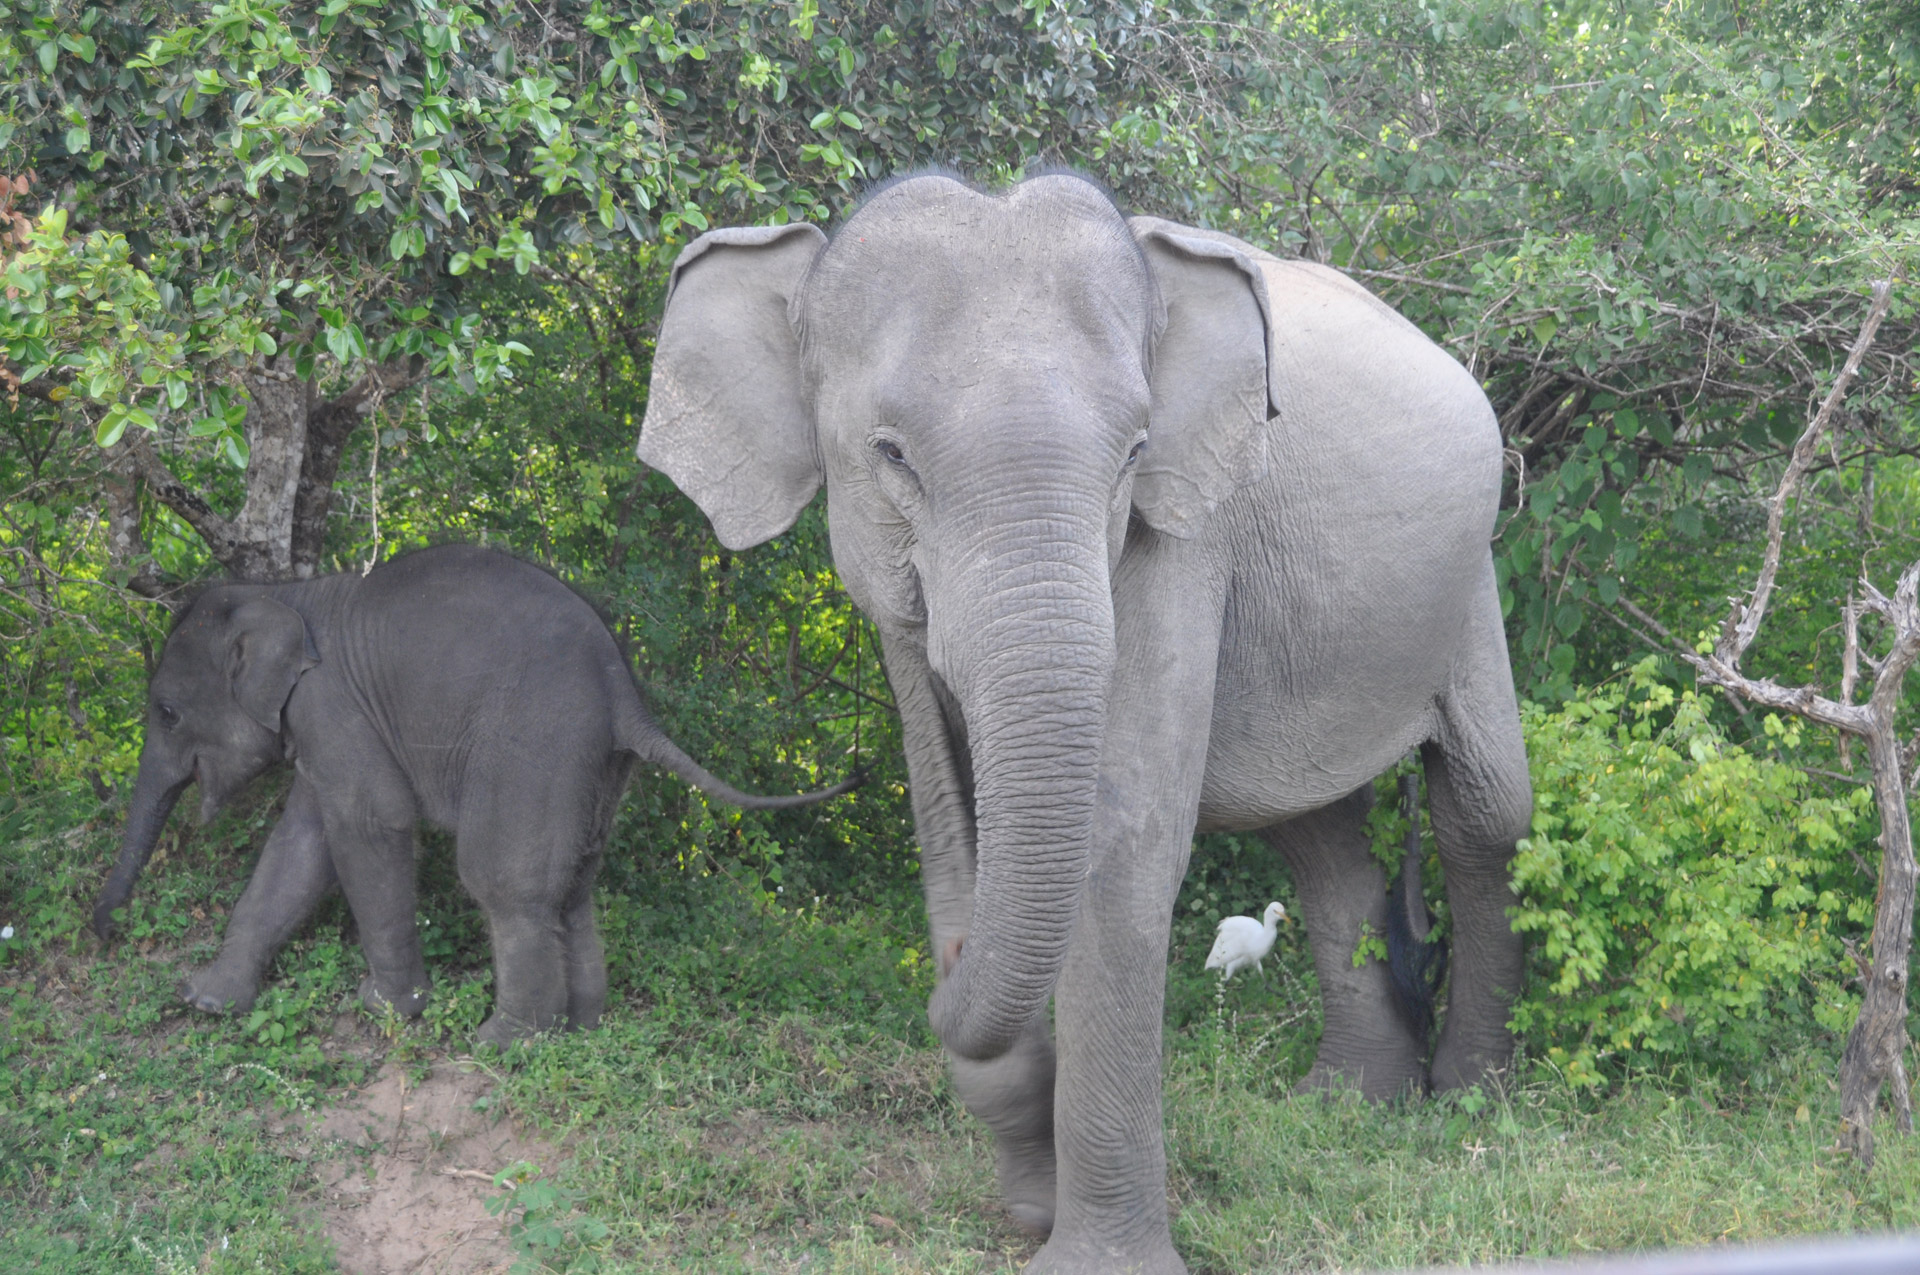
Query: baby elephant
point(456, 685)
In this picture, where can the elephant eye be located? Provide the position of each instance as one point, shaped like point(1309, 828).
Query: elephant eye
point(890, 451)
point(168, 715)
point(1138, 447)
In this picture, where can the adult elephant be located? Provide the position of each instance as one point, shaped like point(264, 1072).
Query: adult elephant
point(1160, 532)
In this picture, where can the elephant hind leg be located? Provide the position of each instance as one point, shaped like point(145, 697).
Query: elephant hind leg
point(1365, 1043)
point(1480, 799)
point(586, 961)
point(528, 857)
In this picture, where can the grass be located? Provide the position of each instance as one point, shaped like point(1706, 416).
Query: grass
point(763, 1096)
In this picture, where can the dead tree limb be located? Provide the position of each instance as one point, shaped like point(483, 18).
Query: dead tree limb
point(1876, 1045)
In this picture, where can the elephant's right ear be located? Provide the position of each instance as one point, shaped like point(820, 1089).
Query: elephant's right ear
point(727, 418)
point(268, 648)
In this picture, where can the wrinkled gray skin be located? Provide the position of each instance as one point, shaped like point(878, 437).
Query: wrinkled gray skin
point(456, 685)
point(1160, 533)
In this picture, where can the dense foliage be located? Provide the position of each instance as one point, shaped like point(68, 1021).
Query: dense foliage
point(1685, 897)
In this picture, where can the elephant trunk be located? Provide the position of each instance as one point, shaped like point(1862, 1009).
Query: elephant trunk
point(154, 793)
point(1028, 652)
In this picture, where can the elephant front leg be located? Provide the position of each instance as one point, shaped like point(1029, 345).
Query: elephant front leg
point(1109, 1005)
point(1013, 1094)
point(293, 875)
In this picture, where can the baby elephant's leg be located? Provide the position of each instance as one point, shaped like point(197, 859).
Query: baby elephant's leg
point(293, 875)
point(586, 963)
point(519, 880)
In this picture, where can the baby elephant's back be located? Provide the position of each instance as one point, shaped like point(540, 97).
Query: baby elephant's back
point(482, 656)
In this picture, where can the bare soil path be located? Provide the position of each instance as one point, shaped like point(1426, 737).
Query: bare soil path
point(408, 1194)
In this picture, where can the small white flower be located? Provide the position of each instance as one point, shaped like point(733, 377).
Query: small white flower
point(6, 931)
point(101, 1076)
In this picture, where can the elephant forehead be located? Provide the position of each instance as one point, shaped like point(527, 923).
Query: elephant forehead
point(930, 258)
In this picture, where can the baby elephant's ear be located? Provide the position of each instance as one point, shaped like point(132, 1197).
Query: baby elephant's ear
point(268, 648)
point(727, 418)
point(1207, 431)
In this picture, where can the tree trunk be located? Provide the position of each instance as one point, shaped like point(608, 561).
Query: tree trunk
point(127, 555)
point(295, 444)
point(329, 425)
point(1877, 1045)
point(261, 546)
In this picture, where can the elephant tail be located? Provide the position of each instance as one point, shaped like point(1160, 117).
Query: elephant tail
point(637, 733)
point(1416, 961)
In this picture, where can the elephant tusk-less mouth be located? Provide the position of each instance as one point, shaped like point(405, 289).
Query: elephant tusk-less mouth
point(950, 955)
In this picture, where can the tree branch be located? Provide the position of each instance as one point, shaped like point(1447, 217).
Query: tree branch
point(1743, 621)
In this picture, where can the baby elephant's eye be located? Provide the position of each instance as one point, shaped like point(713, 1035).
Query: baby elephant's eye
point(1138, 447)
point(168, 715)
point(890, 450)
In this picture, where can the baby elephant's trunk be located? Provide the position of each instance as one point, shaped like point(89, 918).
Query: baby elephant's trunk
point(154, 795)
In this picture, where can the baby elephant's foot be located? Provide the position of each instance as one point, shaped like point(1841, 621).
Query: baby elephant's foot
point(409, 1004)
point(215, 990)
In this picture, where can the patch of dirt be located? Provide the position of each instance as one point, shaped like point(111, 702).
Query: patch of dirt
point(406, 1195)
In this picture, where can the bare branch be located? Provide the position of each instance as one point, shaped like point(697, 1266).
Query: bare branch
point(1743, 621)
point(1395, 276)
point(176, 495)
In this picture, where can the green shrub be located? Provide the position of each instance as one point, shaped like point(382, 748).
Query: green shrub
point(1683, 896)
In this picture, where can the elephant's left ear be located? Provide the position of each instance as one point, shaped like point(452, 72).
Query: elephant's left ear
point(268, 648)
point(1207, 435)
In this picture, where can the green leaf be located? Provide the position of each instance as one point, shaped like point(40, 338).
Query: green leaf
point(1544, 327)
point(111, 426)
point(319, 81)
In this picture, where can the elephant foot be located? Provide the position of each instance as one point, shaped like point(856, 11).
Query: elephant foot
point(1376, 1082)
point(1066, 1255)
point(410, 1004)
point(503, 1031)
point(1464, 1068)
point(216, 991)
point(1027, 1173)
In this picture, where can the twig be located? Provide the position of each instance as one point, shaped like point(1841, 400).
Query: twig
point(1396, 277)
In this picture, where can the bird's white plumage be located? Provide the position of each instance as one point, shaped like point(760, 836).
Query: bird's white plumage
point(1243, 941)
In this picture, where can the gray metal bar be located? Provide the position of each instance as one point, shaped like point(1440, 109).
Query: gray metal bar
point(1864, 1255)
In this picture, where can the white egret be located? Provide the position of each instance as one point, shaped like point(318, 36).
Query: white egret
point(1243, 941)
